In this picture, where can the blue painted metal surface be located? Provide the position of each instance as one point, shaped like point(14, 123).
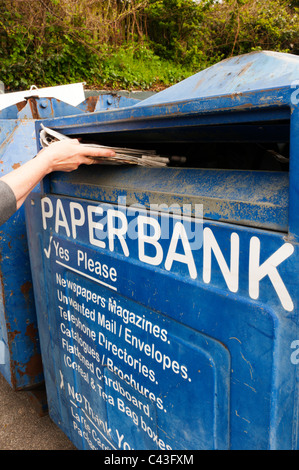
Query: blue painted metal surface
point(167, 299)
point(248, 72)
point(21, 361)
point(20, 358)
point(110, 101)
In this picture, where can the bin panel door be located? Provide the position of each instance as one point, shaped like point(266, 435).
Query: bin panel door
point(181, 341)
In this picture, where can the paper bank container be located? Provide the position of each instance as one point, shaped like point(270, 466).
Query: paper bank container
point(167, 298)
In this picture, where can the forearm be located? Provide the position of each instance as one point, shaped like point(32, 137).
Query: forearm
point(59, 156)
point(24, 179)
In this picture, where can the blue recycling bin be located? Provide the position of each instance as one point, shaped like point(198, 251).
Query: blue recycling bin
point(167, 298)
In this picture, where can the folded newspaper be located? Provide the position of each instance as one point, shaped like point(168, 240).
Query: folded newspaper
point(123, 156)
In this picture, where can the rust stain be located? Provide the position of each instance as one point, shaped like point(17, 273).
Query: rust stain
point(9, 138)
point(26, 288)
point(91, 102)
point(34, 366)
point(21, 105)
point(12, 334)
point(16, 165)
point(31, 332)
point(33, 106)
point(51, 105)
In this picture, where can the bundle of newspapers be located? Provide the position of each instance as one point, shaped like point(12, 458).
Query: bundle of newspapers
point(123, 156)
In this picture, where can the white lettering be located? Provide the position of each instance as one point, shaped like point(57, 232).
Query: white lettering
point(154, 248)
point(46, 214)
point(61, 222)
point(231, 275)
point(95, 225)
point(151, 240)
point(186, 258)
point(119, 232)
point(258, 271)
point(74, 221)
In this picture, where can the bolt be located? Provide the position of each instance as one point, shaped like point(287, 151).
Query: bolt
point(43, 104)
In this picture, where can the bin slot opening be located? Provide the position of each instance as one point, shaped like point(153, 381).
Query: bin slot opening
point(239, 173)
point(254, 146)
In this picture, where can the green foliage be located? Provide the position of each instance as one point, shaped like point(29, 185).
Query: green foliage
point(199, 34)
point(175, 33)
point(239, 26)
point(130, 67)
point(134, 44)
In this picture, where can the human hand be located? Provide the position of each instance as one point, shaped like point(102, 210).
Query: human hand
point(67, 155)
